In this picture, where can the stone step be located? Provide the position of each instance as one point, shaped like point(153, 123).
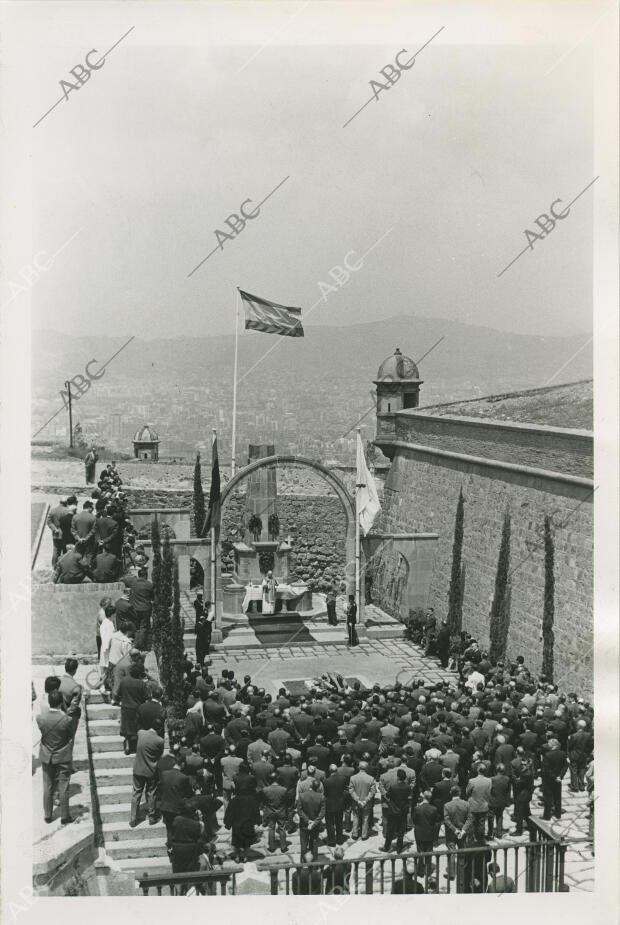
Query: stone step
point(138, 848)
point(117, 812)
point(154, 866)
point(119, 830)
point(112, 794)
point(114, 777)
point(96, 711)
point(104, 727)
point(112, 760)
point(106, 743)
point(95, 697)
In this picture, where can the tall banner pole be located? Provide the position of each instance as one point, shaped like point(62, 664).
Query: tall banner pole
point(358, 543)
point(213, 555)
point(234, 418)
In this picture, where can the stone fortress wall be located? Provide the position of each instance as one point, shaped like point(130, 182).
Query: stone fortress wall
point(421, 494)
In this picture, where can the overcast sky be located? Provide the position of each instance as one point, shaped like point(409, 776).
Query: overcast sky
point(445, 171)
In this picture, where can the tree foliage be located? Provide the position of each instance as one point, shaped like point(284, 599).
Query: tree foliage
point(549, 604)
point(176, 650)
point(198, 500)
point(500, 608)
point(158, 616)
point(166, 592)
point(455, 598)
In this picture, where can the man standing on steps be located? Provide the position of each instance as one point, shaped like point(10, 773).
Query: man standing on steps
point(151, 712)
point(149, 750)
point(174, 787)
point(56, 755)
point(141, 599)
point(71, 692)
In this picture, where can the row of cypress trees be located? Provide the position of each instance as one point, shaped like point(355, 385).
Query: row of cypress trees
point(499, 624)
point(167, 620)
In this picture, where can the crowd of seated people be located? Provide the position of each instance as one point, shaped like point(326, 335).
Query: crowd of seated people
point(448, 763)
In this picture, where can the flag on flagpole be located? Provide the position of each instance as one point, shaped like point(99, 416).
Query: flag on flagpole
point(367, 498)
point(214, 512)
point(271, 318)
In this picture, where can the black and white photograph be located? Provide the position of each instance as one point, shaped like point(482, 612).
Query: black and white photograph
point(309, 491)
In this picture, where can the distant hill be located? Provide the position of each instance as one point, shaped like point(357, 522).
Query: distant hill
point(471, 360)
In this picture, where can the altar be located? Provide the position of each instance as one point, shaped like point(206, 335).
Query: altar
point(288, 597)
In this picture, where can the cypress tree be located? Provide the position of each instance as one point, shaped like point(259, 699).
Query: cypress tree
point(549, 604)
point(500, 608)
point(177, 648)
point(462, 594)
point(455, 599)
point(166, 584)
point(198, 503)
point(156, 579)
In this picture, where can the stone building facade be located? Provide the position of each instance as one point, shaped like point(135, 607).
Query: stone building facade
point(532, 470)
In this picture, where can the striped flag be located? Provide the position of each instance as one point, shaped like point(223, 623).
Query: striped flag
point(271, 318)
point(214, 512)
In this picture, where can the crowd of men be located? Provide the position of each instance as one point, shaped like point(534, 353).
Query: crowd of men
point(447, 762)
point(97, 543)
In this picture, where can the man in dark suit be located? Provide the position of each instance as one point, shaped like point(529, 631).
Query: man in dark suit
point(425, 826)
point(83, 531)
point(149, 750)
point(141, 599)
point(71, 692)
point(107, 567)
point(106, 529)
point(318, 754)
point(55, 755)
point(151, 713)
point(335, 788)
point(173, 788)
point(71, 568)
point(274, 800)
point(311, 809)
point(123, 610)
point(554, 767)
point(53, 522)
point(498, 801)
point(352, 620)
point(580, 746)
point(398, 799)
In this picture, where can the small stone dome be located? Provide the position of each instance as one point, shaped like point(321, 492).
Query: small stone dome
point(146, 434)
point(398, 366)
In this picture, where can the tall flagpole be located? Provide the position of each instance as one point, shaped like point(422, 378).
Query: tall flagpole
point(234, 419)
point(358, 542)
point(213, 550)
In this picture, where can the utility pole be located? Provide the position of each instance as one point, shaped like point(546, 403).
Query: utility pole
point(68, 387)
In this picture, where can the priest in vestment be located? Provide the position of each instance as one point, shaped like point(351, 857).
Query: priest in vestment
point(269, 593)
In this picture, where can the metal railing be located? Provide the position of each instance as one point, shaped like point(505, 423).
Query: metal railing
point(536, 866)
point(203, 882)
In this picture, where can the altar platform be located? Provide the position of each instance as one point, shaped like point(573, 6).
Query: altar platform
point(293, 629)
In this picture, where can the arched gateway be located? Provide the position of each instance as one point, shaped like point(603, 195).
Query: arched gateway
point(348, 504)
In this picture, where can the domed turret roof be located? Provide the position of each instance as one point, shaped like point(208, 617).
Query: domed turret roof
point(146, 434)
point(398, 366)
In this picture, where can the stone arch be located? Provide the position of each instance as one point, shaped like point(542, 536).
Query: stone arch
point(347, 502)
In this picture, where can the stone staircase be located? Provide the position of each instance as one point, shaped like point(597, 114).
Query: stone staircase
point(142, 849)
